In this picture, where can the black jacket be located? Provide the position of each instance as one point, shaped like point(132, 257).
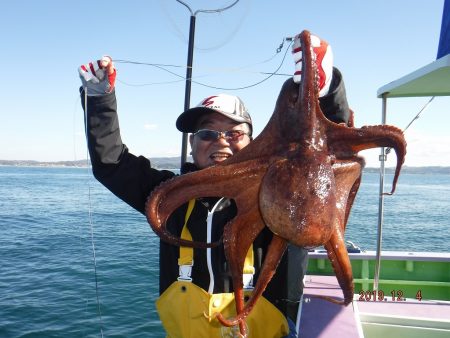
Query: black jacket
point(131, 178)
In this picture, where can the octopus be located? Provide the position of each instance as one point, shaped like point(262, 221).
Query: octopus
point(299, 178)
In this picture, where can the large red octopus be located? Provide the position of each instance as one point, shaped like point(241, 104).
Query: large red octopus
point(299, 178)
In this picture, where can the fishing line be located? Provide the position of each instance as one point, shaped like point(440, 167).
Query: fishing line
point(388, 150)
point(148, 84)
point(233, 31)
point(91, 223)
point(81, 234)
point(182, 78)
point(251, 85)
point(240, 20)
point(418, 114)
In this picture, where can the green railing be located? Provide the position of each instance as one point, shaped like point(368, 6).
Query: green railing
point(410, 275)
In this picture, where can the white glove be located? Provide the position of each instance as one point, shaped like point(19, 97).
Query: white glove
point(98, 77)
point(323, 59)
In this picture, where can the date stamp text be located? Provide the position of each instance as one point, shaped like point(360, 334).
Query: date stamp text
point(381, 296)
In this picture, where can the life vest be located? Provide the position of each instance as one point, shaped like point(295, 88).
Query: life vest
point(188, 311)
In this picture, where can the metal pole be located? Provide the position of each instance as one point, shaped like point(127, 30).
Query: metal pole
point(187, 92)
point(380, 204)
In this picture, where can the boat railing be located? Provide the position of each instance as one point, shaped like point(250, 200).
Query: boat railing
point(405, 274)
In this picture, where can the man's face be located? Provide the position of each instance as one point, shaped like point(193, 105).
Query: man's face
point(208, 153)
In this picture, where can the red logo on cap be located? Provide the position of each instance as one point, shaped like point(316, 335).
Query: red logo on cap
point(208, 101)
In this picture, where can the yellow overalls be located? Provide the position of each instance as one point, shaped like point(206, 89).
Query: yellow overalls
point(188, 311)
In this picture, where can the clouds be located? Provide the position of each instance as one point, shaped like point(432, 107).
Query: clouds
point(423, 149)
point(150, 126)
point(427, 149)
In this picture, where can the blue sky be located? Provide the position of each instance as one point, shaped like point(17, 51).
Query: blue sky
point(43, 43)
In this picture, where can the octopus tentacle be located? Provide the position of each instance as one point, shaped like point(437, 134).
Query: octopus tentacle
point(357, 139)
point(275, 252)
point(351, 199)
point(338, 256)
point(347, 174)
point(173, 193)
point(239, 234)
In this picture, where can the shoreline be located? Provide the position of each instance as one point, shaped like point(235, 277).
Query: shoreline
point(165, 164)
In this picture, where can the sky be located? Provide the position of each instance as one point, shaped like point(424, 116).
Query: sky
point(44, 42)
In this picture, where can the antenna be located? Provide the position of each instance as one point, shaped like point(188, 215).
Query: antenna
point(187, 92)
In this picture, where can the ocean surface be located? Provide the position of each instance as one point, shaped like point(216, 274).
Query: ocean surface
point(52, 218)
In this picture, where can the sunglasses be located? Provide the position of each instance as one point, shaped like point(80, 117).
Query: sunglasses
point(213, 135)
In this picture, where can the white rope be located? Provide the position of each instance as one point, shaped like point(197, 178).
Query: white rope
point(208, 250)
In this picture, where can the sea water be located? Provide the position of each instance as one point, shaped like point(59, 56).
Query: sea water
point(78, 262)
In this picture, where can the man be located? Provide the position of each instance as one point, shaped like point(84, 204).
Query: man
point(220, 126)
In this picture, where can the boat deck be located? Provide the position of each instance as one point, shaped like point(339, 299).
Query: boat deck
point(386, 317)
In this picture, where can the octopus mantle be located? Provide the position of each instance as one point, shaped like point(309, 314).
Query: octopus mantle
point(301, 175)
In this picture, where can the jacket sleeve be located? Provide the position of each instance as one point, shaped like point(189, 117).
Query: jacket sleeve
point(129, 177)
point(334, 105)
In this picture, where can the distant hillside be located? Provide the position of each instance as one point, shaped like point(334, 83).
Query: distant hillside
point(167, 162)
point(157, 162)
point(413, 170)
point(31, 163)
point(174, 163)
